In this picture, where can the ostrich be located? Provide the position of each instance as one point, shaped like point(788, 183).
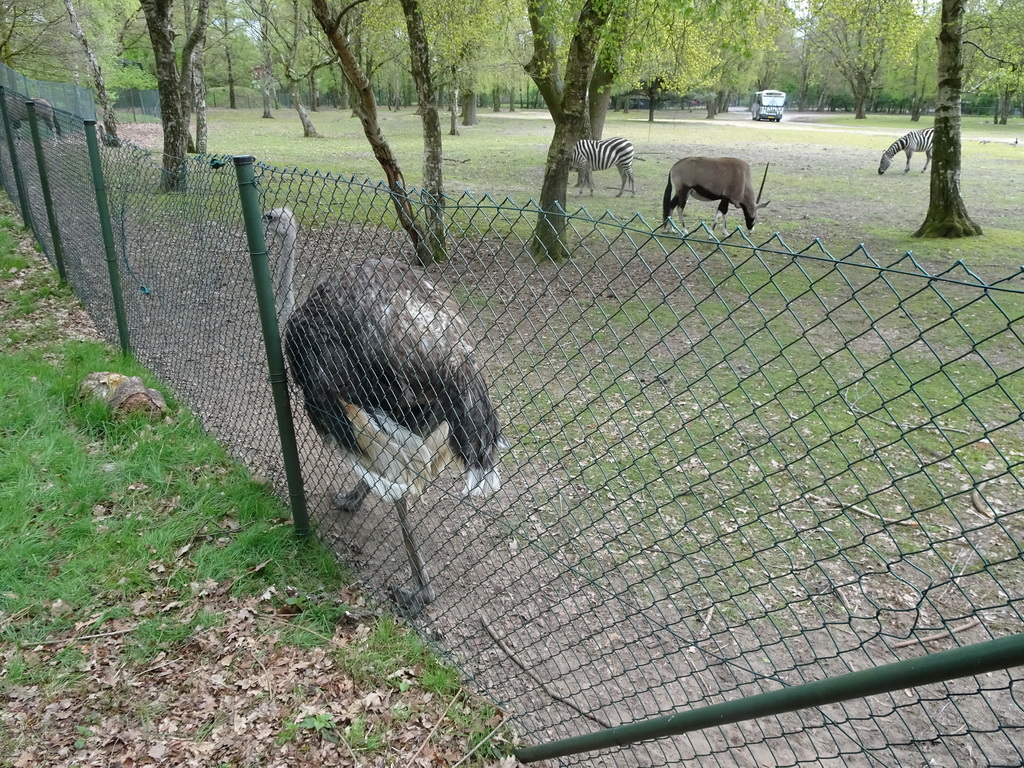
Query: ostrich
point(389, 379)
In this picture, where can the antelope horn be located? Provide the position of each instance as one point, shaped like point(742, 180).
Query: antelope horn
point(763, 180)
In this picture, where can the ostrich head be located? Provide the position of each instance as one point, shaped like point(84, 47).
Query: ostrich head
point(280, 222)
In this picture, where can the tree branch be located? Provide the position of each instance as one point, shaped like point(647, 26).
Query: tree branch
point(346, 9)
point(1012, 65)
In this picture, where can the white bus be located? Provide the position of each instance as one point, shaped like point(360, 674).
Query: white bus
point(768, 105)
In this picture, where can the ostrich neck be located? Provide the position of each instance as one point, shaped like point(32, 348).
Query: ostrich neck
point(284, 293)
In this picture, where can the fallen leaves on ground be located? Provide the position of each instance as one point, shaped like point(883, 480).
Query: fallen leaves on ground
point(230, 694)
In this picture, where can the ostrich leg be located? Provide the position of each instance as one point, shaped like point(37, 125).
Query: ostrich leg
point(413, 601)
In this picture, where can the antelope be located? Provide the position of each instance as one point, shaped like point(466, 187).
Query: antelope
point(726, 179)
point(43, 110)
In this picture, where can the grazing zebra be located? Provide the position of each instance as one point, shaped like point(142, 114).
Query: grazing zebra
point(589, 155)
point(915, 141)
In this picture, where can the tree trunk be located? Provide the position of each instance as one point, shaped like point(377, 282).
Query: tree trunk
point(343, 89)
point(232, 104)
point(432, 229)
point(308, 129)
point(199, 96)
point(267, 66)
point(453, 112)
point(265, 89)
point(915, 102)
point(805, 75)
point(724, 97)
point(109, 118)
point(366, 108)
point(1005, 104)
point(191, 60)
point(469, 115)
point(197, 89)
point(567, 103)
point(600, 96)
point(859, 112)
point(496, 99)
point(947, 215)
point(161, 34)
point(861, 90)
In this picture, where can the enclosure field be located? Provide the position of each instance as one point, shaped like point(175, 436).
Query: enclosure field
point(735, 464)
point(823, 178)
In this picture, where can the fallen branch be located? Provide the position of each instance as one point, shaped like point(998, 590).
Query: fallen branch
point(13, 617)
point(981, 506)
point(854, 410)
point(482, 741)
point(707, 619)
point(938, 635)
point(436, 726)
point(861, 510)
point(76, 638)
point(553, 694)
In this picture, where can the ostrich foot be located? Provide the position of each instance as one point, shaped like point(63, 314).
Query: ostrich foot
point(411, 602)
point(351, 501)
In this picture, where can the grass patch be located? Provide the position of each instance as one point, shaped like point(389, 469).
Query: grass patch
point(144, 570)
point(822, 182)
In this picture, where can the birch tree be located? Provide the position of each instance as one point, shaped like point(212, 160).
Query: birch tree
point(433, 247)
point(193, 70)
point(106, 107)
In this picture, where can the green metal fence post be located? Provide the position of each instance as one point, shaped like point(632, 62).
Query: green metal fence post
point(933, 668)
point(253, 218)
point(19, 181)
point(44, 182)
point(8, 134)
point(108, 234)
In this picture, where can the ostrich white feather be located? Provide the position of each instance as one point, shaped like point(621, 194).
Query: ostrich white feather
point(392, 460)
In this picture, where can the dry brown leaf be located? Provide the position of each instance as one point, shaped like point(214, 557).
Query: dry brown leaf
point(157, 751)
point(373, 702)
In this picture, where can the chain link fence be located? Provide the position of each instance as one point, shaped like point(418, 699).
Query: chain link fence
point(64, 96)
point(731, 469)
point(136, 102)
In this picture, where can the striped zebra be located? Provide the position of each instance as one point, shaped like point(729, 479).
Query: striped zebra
point(915, 141)
point(589, 155)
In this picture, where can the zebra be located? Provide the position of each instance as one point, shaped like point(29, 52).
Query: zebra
point(915, 141)
point(590, 155)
